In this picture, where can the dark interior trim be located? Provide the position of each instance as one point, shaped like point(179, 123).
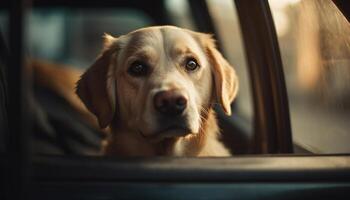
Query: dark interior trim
point(344, 7)
point(169, 169)
point(201, 16)
point(16, 106)
point(190, 191)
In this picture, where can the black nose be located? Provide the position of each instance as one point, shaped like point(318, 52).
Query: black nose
point(170, 102)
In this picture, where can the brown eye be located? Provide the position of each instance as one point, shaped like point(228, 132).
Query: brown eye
point(137, 69)
point(191, 64)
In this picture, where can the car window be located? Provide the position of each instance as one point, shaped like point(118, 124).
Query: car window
point(315, 49)
point(65, 35)
point(314, 39)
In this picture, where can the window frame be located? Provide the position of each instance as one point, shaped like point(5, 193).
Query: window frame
point(271, 109)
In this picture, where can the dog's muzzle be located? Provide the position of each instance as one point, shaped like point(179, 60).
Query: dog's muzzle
point(170, 114)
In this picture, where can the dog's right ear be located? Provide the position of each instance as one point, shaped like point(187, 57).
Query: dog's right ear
point(225, 78)
point(96, 87)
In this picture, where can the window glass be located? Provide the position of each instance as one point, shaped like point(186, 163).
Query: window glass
point(74, 36)
point(314, 39)
point(226, 23)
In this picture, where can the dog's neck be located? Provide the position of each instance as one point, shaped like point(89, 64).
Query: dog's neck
point(127, 143)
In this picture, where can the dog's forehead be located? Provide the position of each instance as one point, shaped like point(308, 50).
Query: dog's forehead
point(162, 37)
point(177, 36)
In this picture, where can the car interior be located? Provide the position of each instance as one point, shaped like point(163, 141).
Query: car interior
point(289, 132)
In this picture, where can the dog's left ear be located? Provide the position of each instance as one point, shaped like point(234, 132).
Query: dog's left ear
point(225, 78)
point(96, 88)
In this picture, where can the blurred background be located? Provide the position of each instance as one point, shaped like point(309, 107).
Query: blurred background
point(314, 40)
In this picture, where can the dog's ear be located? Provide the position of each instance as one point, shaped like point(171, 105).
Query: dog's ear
point(96, 87)
point(225, 78)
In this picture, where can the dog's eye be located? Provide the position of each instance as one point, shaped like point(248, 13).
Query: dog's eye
point(138, 69)
point(191, 64)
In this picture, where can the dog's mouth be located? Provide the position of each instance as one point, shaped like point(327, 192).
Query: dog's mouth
point(168, 132)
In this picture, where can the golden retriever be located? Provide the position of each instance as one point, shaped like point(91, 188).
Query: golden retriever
point(155, 88)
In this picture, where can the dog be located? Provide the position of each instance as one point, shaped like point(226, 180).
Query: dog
point(155, 89)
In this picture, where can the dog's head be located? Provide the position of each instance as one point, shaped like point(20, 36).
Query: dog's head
point(158, 82)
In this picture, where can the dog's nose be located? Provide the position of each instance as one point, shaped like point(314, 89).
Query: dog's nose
point(170, 102)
